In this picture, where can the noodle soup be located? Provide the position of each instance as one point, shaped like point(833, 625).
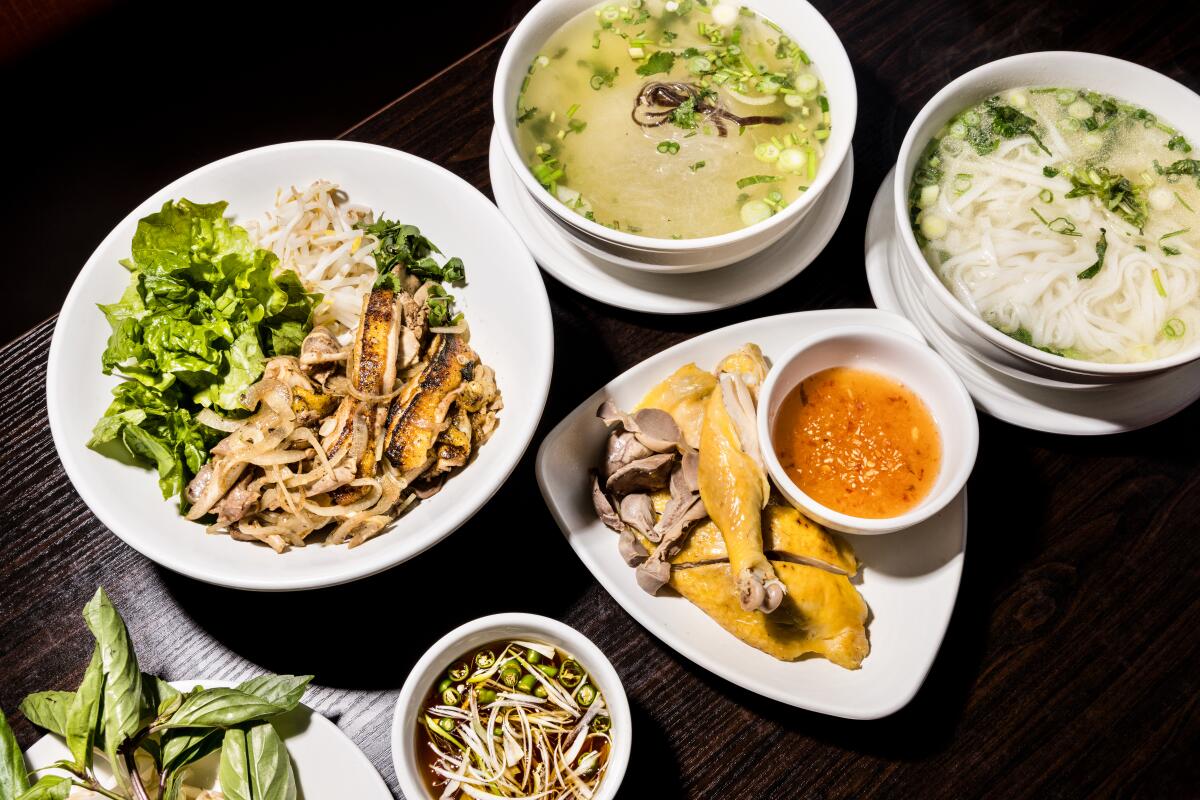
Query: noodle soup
point(677, 119)
point(1066, 219)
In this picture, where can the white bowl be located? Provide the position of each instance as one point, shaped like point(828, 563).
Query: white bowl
point(1156, 92)
point(810, 31)
point(504, 299)
point(460, 641)
point(903, 358)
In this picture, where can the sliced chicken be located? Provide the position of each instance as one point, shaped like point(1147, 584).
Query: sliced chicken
point(422, 411)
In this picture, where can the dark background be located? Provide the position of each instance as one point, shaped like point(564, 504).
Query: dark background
point(106, 102)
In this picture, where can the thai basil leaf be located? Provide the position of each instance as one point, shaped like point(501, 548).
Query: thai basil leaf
point(13, 772)
point(48, 710)
point(220, 708)
point(50, 787)
point(157, 694)
point(255, 765)
point(284, 691)
point(186, 746)
point(122, 698)
point(83, 715)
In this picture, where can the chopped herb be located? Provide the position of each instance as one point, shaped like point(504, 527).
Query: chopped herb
point(1049, 172)
point(1183, 202)
point(684, 114)
point(1184, 166)
point(1058, 224)
point(1101, 249)
point(753, 179)
point(659, 61)
point(576, 125)
point(1179, 143)
point(668, 147)
point(602, 77)
point(526, 115)
point(1010, 123)
point(697, 166)
point(1174, 328)
point(1023, 336)
point(1170, 251)
point(1115, 192)
point(1158, 284)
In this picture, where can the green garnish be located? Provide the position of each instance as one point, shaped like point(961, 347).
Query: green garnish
point(659, 61)
point(697, 166)
point(1115, 192)
point(1179, 143)
point(1010, 123)
point(1058, 225)
point(668, 147)
point(1174, 328)
point(1023, 336)
point(201, 315)
point(403, 249)
point(1101, 249)
point(526, 115)
point(1049, 172)
point(753, 179)
point(684, 114)
point(1183, 202)
point(1184, 166)
point(1158, 284)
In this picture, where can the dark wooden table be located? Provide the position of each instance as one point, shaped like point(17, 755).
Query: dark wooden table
point(1069, 668)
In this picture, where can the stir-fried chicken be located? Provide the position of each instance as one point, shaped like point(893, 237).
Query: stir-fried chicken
point(342, 440)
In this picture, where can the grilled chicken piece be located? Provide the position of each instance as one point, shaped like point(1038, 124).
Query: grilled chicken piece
point(454, 445)
point(733, 483)
point(419, 415)
point(372, 372)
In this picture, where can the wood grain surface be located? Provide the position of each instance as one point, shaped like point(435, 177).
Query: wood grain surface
point(1069, 666)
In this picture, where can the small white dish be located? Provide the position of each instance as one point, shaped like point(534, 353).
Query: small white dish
point(1114, 408)
point(601, 279)
point(532, 627)
point(910, 582)
point(1121, 79)
point(504, 299)
point(328, 765)
point(810, 30)
point(901, 357)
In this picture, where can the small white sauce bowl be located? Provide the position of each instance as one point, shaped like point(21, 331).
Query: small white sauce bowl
point(903, 358)
point(811, 32)
point(1133, 83)
point(529, 627)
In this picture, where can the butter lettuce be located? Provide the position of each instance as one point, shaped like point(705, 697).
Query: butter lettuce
point(200, 317)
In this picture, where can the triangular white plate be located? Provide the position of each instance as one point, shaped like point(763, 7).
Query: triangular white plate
point(910, 579)
point(327, 764)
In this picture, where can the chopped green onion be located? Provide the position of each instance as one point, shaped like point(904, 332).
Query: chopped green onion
point(571, 111)
point(1158, 284)
point(750, 180)
point(1049, 172)
point(1046, 196)
point(697, 166)
point(1183, 202)
point(767, 152)
point(1174, 328)
point(668, 147)
point(962, 182)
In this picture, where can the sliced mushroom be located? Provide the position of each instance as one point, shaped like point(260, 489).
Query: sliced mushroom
point(637, 511)
point(604, 507)
point(631, 550)
point(646, 474)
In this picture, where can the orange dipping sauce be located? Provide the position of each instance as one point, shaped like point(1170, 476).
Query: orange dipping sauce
point(858, 442)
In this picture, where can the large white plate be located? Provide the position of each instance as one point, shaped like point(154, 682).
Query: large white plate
point(909, 579)
point(659, 293)
point(1109, 409)
point(505, 302)
point(327, 764)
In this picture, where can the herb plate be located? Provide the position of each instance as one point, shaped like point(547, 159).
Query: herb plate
point(327, 764)
point(909, 579)
point(504, 300)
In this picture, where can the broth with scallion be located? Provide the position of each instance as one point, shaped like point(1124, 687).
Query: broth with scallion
point(675, 119)
point(514, 719)
point(1068, 219)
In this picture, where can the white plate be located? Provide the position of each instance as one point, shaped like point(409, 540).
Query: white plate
point(910, 579)
point(505, 301)
point(327, 764)
point(688, 293)
point(1107, 409)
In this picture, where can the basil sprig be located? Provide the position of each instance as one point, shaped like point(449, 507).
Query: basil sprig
point(123, 712)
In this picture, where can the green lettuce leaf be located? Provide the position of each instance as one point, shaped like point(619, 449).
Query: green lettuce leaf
point(201, 315)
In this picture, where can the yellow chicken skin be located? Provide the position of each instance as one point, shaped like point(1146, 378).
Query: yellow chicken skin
point(822, 613)
point(787, 534)
point(733, 483)
point(683, 395)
